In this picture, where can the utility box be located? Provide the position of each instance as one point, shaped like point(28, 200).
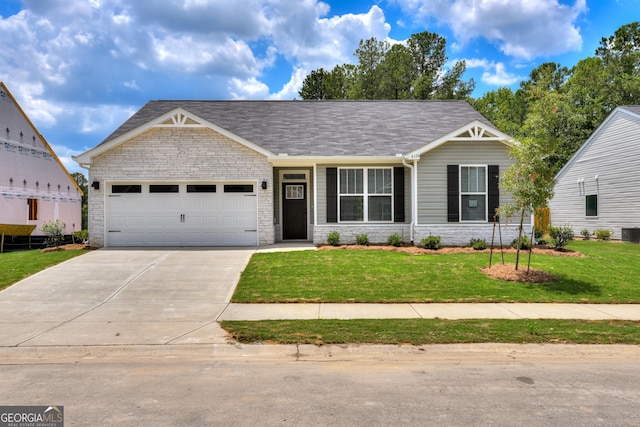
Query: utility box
point(631, 235)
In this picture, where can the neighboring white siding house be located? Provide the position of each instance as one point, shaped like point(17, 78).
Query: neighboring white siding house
point(598, 187)
point(34, 185)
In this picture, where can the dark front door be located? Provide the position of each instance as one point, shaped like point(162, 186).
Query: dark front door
point(294, 211)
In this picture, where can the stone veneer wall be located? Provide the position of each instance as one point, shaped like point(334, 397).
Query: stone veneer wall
point(451, 235)
point(173, 155)
point(376, 233)
point(460, 234)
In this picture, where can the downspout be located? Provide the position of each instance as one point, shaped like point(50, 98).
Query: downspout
point(414, 193)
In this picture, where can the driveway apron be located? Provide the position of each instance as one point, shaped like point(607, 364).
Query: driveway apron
point(124, 297)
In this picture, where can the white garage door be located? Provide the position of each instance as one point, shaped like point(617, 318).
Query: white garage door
point(152, 214)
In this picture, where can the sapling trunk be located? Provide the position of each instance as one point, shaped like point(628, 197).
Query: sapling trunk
point(519, 239)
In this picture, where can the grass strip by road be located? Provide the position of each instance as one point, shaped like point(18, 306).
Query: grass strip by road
point(15, 266)
point(607, 274)
point(434, 331)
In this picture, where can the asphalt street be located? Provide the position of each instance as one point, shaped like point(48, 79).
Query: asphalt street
point(464, 385)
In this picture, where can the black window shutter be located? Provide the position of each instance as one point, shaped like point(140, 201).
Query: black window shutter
point(398, 194)
point(332, 194)
point(493, 201)
point(453, 203)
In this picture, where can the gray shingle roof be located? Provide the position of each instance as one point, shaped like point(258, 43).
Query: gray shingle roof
point(633, 108)
point(324, 128)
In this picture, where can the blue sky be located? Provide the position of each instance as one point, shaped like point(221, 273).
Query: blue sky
point(80, 68)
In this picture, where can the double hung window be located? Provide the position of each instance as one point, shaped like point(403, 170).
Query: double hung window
point(473, 193)
point(365, 194)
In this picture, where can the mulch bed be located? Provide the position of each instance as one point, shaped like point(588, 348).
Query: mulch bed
point(71, 247)
point(507, 272)
point(537, 250)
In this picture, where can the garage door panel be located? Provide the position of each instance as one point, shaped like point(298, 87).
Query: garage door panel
point(126, 239)
point(182, 219)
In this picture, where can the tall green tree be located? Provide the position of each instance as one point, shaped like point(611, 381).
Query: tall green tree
point(315, 85)
point(504, 108)
point(371, 55)
point(397, 70)
point(412, 71)
point(620, 54)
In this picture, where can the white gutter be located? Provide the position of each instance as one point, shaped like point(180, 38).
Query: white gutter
point(414, 192)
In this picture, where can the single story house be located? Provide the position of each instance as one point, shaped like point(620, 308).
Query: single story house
point(206, 173)
point(35, 187)
point(596, 189)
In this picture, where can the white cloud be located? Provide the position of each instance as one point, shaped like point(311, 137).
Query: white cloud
point(495, 73)
point(80, 68)
point(523, 29)
point(290, 90)
point(248, 89)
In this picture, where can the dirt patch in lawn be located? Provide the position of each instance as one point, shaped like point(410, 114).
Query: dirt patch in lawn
point(508, 273)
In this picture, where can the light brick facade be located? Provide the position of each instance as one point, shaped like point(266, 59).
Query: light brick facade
point(174, 155)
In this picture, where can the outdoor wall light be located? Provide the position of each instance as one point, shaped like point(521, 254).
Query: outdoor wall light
point(11, 181)
point(264, 184)
point(95, 185)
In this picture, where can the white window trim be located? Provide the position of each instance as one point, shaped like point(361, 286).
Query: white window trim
point(365, 195)
point(597, 215)
point(471, 193)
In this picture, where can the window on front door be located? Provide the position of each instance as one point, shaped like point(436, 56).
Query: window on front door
point(363, 199)
point(473, 193)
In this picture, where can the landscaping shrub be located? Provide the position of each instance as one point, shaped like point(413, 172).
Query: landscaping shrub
point(333, 238)
point(81, 235)
point(362, 240)
point(586, 234)
point(478, 244)
point(561, 236)
point(395, 240)
point(603, 234)
point(537, 234)
point(54, 231)
point(432, 242)
point(525, 243)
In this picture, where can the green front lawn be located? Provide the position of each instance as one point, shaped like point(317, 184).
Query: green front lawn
point(434, 331)
point(608, 274)
point(15, 266)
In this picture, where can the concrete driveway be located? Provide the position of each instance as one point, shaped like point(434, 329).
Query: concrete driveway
point(124, 297)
